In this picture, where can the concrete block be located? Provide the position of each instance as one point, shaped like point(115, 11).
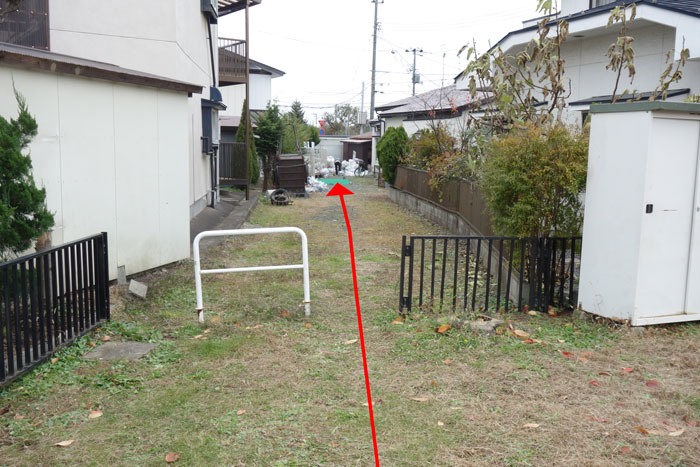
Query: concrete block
point(138, 289)
point(121, 275)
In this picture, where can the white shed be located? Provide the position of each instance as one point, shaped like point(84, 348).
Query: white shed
point(640, 258)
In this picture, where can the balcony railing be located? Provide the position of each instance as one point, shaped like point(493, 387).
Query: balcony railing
point(231, 61)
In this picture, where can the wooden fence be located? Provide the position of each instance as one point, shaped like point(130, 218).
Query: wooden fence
point(459, 197)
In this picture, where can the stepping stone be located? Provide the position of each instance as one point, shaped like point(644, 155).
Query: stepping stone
point(120, 351)
point(138, 289)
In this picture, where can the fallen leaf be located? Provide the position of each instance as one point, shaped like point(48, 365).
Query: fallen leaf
point(677, 433)
point(434, 383)
point(604, 373)
point(552, 311)
point(398, 320)
point(240, 412)
point(334, 444)
point(627, 370)
point(594, 383)
point(440, 423)
point(19, 417)
point(284, 314)
point(528, 341)
point(4, 410)
point(568, 355)
point(351, 341)
point(685, 419)
point(625, 450)
point(641, 430)
point(532, 313)
point(447, 361)
point(54, 360)
point(567, 325)
point(443, 329)
point(456, 408)
point(561, 341)
point(106, 339)
point(95, 414)
point(91, 344)
point(65, 444)
point(598, 419)
point(652, 384)
point(583, 359)
point(207, 331)
point(420, 399)
point(308, 325)
point(657, 432)
point(531, 425)
point(171, 457)
point(239, 324)
point(520, 334)
point(215, 319)
point(36, 424)
point(586, 354)
point(198, 336)
point(258, 326)
point(366, 404)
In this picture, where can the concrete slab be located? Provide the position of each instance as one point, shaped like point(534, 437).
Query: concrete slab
point(120, 351)
point(138, 289)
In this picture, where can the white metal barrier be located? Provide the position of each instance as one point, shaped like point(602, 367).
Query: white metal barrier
point(198, 272)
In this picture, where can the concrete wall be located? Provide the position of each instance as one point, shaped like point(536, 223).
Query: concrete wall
point(167, 38)
point(331, 146)
point(260, 95)
point(112, 158)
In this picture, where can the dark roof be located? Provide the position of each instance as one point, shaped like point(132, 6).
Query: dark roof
point(231, 6)
point(438, 100)
point(629, 97)
point(229, 121)
point(261, 68)
point(44, 60)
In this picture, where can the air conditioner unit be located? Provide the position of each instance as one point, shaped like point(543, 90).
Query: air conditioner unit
point(211, 9)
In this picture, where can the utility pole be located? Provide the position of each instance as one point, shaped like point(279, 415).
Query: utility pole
point(374, 58)
point(415, 76)
point(362, 110)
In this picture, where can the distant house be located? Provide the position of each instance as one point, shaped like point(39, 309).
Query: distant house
point(660, 26)
point(358, 147)
point(125, 96)
point(261, 77)
point(415, 113)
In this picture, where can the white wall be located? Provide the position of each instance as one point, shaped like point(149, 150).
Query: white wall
point(569, 7)
point(168, 38)
point(260, 95)
point(113, 158)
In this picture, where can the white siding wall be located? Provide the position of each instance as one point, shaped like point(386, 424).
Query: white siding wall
point(113, 158)
point(168, 38)
point(569, 7)
point(260, 95)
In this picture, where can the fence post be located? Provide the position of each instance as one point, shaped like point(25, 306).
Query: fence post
point(403, 265)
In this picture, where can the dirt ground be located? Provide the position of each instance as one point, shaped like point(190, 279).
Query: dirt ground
point(260, 384)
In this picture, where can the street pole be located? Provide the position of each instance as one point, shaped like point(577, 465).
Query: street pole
point(374, 59)
point(362, 109)
point(415, 51)
point(249, 124)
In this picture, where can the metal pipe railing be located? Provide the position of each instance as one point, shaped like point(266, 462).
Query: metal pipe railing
point(198, 272)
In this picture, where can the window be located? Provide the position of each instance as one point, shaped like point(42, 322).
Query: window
point(28, 25)
point(597, 3)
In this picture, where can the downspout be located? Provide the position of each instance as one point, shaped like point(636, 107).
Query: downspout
point(213, 162)
point(211, 53)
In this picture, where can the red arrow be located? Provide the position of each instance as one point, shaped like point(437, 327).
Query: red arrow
point(340, 190)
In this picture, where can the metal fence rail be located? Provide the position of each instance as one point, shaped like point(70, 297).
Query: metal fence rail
point(454, 273)
point(49, 299)
point(232, 164)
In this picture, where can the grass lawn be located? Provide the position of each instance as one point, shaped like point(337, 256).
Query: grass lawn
point(259, 384)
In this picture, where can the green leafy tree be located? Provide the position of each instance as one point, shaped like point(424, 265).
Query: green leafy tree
point(269, 132)
point(392, 147)
point(253, 163)
point(343, 120)
point(533, 178)
point(24, 216)
point(296, 130)
point(297, 110)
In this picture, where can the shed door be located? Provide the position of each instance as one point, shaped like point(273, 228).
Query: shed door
point(667, 230)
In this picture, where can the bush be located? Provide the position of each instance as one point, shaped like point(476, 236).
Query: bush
point(23, 213)
point(391, 148)
point(533, 179)
point(429, 143)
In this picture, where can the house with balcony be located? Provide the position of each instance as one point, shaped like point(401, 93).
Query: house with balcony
point(659, 26)
point(127, 108)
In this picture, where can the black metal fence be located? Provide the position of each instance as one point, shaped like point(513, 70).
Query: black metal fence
point(480, 274)
point(232, 164)
point(49, 299)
